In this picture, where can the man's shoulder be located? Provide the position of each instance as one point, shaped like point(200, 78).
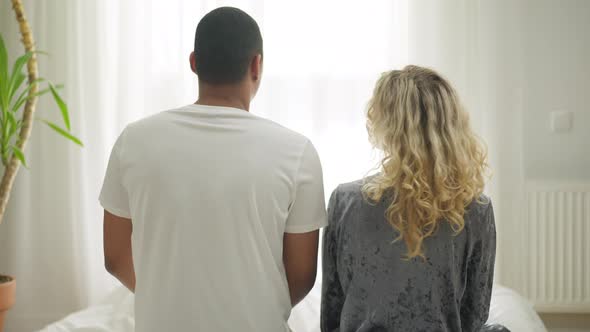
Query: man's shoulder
point(275, 129)
point(155, 119)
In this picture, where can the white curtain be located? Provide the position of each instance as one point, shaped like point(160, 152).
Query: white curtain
point(122, 60)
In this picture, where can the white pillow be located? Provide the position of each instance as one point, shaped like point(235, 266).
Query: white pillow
point(510, 309)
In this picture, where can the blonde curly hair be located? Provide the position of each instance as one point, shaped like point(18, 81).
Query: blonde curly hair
point(433, 166)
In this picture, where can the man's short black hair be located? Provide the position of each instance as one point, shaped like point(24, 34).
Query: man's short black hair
point(226, 40)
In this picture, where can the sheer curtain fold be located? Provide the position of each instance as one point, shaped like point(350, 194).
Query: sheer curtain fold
point(122, 60)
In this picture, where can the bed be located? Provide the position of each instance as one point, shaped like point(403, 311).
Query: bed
point(115, 314)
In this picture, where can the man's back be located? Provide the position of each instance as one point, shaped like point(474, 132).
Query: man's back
point(211, 191)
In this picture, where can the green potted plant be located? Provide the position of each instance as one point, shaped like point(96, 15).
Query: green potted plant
point(18, 97)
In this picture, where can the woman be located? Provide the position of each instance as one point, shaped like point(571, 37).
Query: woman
point(412, 248)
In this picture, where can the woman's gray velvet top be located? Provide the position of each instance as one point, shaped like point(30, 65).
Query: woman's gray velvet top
point(369, 286)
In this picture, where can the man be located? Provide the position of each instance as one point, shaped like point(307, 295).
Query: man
point(212, 213)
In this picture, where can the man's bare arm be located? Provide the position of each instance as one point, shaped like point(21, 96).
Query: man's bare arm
point(300, 253)
point(118, 259)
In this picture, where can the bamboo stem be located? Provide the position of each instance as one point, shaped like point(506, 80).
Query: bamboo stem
point(13, 165)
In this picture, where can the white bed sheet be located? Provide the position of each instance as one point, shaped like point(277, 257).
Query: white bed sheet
point(115, 314)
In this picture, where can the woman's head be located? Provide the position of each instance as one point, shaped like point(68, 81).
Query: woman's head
point(433, 164)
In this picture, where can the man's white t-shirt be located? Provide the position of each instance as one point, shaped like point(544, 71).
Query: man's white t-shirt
point(211, 192)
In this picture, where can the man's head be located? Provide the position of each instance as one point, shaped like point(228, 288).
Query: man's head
point(228, 49)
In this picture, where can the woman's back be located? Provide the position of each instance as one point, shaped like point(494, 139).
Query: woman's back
point(368, 286)
point(412, 247)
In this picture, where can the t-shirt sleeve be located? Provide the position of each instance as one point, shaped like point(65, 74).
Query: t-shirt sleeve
point(308, 209)
point(113, 196)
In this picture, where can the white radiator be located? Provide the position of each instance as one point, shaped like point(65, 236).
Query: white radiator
point(557, 246)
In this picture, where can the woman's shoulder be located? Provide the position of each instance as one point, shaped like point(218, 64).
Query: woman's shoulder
point(480, 214)
point(480, 205)
point(348, 192)
point(344, 207)
point(350, 187)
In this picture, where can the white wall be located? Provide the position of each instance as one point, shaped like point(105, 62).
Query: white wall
point(533, 59)
point(556, 47)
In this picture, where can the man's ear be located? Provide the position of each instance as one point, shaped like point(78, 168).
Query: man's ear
point(256, 67)
point(193, 62)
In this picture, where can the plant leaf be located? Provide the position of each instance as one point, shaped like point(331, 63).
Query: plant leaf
point(62, 106)
point(16, 81)
point(3, 75)
point(63, 132)
point(19, 155)
point(23, 97)
point(9, 128)
point(20, 62)
point(14, 127)
point(13, 124)
point(3, 62)
point(17, 72)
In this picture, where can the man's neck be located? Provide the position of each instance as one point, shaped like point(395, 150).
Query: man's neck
point(223, 102)
point(227, 96)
